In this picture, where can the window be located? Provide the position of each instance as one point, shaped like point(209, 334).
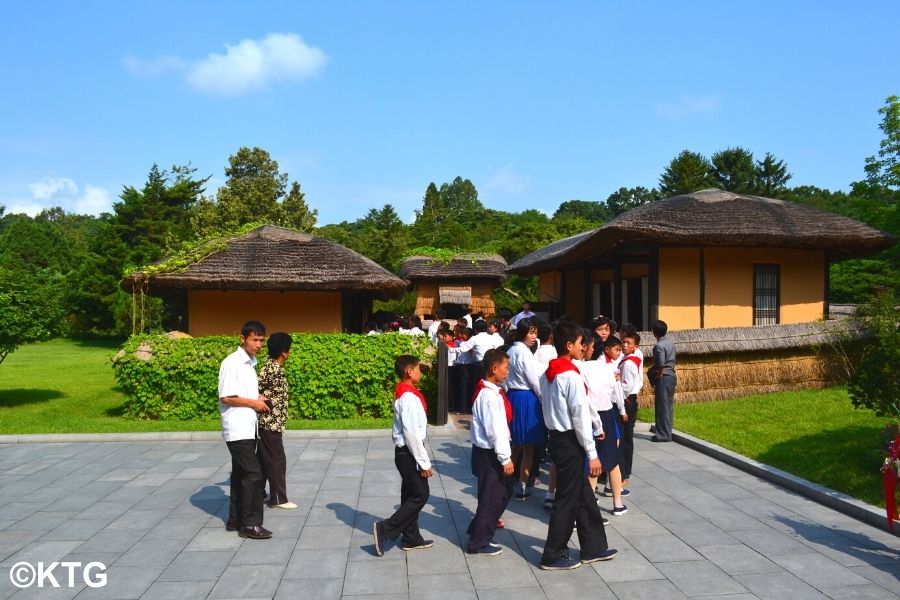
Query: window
point(766, 294)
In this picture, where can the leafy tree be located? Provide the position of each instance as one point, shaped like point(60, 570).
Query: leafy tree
point(884, 169)
point(624, 199)
point(595, 212)
point(255, 191)
point(734, 170)
point(688, 172)
point(771, 177)
point(384, 236)
point(34, 246)
point(449, 215)
point(460, 197)
point(874, 383)
point(30, 311)
point(297, 213)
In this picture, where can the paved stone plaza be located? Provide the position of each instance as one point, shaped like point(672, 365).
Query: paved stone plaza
point(153, 512)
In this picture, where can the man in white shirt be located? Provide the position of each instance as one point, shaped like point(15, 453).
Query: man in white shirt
point(525, 313)
point(435, 325)
point(239, 403)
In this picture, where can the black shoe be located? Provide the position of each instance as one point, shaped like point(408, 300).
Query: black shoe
point(380, 539)
point(255, 532)
point(656, 439)
point(608, 554)
point(232, 525)
point(420, 546)
point(561, 564)
point(489, 550)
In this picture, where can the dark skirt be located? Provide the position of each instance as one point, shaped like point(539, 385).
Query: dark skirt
point(606, 448)
point(528, 422)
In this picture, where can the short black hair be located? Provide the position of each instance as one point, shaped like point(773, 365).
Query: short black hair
point(440, 313)
point(253, 327)
point(597, 322)
point(480, 326)
point(544, 332)
point(404, 362)
point(612, 341)
point(659, 328)
point(278, 343)
point(492, 358)
point(565, 332)
point(632, 335)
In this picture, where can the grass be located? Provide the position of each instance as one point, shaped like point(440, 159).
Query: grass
point(67, 386)
point(815, 434)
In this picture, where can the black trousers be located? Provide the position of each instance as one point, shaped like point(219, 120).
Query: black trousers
point(494, 492)
point(627, 446)
point(664, 406)
point(413, 496)
point(270, 451)
point(246, 505)
point(575, 502)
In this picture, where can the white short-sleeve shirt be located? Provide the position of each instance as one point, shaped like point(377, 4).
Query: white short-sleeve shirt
point(237, 377)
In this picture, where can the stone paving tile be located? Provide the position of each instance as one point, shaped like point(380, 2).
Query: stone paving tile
point(319, 589)
point(442, 586)
point(858, 592)
point(527, 593)
point(197, 566)
point(663, 548)
point(573, 584)
point(123, 583)
point(248, 581)
point(181, 590)
point(779, 586)
point(383, 577)
point(628, 565)
point(699, 578)
point(503, 571)
point(152, 552)
point(738, 559)
point(640, 590)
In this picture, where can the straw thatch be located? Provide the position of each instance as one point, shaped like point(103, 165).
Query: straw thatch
point(713, 218)
point(276, 258)
point(722, 363)
point(462, 267)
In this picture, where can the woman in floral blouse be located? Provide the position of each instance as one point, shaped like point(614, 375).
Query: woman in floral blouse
point(273, 385)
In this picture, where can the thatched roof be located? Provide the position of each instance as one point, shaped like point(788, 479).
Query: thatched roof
point(717, 340)
point(467, 266)
point(275, 258)
point(713, 218)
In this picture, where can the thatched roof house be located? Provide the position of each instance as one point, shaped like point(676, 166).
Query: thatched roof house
point(706, 259)
point(464, 283)
point(287, 279)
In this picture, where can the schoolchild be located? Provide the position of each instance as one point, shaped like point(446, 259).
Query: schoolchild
point(632, 382)
point(524, 389)
point(491, 453)
point(439, 315)
point(459, 376)
point(410, 458)
point(567, 416)
point(475, 347)
point(493, 330)
point(270, 449)
point(545, 351)
point(662, 376)
point(607, 399)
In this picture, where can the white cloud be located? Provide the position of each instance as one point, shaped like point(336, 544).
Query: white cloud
point(507, 181)
point(688, 106)
point(246, 66)
point(49, 187)
point(63, 192)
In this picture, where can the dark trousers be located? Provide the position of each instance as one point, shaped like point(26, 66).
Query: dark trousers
point(575, 502)
point(457, 378)
point(627, 445)
point(413, 496)
point(270, 451)
point(664, 396)
point(246, 505)
point(494, 492)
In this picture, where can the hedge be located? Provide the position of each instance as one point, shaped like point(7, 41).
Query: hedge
point(330, 376)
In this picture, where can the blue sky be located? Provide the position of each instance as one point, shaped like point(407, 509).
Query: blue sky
point(366, 103)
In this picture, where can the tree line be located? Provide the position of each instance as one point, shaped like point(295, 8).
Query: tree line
point(70, 265)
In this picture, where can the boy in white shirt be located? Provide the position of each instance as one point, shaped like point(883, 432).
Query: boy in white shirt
point(491, 454)
point(411, 459)
point(567, 416)
point(632, 370)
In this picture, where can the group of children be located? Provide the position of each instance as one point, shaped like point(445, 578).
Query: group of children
point(570, 390)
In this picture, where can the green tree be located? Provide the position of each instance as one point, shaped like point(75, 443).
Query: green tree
point(595, 212)
point(771, 177)
point(688, 172)
point(884, 169)
point(34, 246)
point(384, 237)
point(30, 311)
point(874, 383)
point(449, 215)
point(296, 212)
point(624, 199)
point(734, 170)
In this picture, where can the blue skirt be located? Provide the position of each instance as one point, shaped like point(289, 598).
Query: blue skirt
point(606, 448)
point(528, 422)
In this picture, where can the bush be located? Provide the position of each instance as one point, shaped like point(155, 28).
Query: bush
point(875, 383)
point(330, 376)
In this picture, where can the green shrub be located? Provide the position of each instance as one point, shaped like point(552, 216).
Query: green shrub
point(330, 376)
point(875, 383)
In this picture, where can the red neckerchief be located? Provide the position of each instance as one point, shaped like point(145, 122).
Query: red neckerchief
point(634, 359)
point(558, 366)
point(506, 404)
point(403, 387)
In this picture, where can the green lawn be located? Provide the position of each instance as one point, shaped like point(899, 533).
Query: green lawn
point(67, 386)
point(815, 434)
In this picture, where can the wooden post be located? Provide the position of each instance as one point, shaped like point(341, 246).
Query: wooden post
point(443, 388)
